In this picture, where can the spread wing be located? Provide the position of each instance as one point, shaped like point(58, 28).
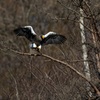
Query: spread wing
point(53, 38)
point(24, 32)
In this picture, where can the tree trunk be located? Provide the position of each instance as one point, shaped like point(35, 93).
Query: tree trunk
point(84, 49)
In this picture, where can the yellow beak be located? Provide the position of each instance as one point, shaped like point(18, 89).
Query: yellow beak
point(42, 37)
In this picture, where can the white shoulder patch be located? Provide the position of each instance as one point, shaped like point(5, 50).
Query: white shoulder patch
point(49, 33)
point(30, 27)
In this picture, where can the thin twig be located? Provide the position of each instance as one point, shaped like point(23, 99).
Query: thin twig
point(59, 61)
point(71, 9)
point(16, 87)
point(66, 64)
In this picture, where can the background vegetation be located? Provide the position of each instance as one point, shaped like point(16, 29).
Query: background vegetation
point(38, 78)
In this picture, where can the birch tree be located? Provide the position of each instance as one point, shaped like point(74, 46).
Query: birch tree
point(84, 49)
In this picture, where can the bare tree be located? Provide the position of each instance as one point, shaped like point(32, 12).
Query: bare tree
point(84, 48)
point(58, 72)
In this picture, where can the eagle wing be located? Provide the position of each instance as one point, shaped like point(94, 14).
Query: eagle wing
point(53, 38)
point(24, 32)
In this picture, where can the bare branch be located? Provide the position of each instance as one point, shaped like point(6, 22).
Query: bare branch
point(71, 9)
point(66, 64)
point(16, 87)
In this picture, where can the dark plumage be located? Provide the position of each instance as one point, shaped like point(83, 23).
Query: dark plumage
point(53, 39)
point(25, 32)
point(49, 38)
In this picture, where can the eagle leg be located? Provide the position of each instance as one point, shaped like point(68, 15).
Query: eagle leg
point(34, 46)
point(38, 48)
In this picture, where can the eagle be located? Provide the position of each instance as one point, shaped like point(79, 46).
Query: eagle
point(39, 40)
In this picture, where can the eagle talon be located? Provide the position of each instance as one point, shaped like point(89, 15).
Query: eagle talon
point(38, 49)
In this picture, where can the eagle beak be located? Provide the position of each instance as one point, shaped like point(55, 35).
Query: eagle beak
point(42, 37)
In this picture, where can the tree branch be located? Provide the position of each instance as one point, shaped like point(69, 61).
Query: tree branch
point(59, 61)
point(71, 9)
point(16, 87)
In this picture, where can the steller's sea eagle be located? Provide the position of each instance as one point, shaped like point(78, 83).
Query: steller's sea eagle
point(38, 41)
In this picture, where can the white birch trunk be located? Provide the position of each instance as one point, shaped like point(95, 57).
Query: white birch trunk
point(84, 49)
